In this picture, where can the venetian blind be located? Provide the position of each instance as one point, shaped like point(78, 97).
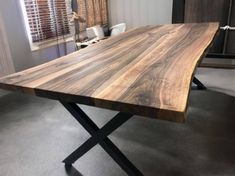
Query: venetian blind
point(95, 12)
point(47, 19)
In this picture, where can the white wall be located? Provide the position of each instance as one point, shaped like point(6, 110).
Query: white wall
point(140, 12)
point(6, 63)
point(21, 53)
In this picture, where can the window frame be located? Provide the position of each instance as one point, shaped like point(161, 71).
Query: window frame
point(45, 43)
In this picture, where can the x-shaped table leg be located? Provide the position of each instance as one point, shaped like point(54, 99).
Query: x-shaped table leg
point(99, 136)
point(200, 85)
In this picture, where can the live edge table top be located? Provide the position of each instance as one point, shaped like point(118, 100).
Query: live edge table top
point(146, 71)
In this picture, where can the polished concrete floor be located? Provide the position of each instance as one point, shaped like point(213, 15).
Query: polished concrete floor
point(37, 134)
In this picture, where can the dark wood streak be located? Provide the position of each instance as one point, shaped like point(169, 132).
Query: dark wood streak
point(146, 71)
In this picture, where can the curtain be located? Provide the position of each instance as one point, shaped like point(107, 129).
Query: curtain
point(95, 12)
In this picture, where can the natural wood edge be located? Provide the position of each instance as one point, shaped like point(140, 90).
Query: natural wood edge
point(198, 64)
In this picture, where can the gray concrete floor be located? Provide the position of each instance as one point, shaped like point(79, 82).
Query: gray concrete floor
point(36, 134)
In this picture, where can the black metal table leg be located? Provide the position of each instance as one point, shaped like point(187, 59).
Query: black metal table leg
point(199, 84)
point(99, 136)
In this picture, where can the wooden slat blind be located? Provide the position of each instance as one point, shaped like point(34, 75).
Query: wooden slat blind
point(94, 11)
point(47, 19)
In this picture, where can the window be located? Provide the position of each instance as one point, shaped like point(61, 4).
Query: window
point(46, 19)
point(95, 12)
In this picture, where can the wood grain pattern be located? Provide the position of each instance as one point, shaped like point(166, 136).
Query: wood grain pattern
point(146, 71)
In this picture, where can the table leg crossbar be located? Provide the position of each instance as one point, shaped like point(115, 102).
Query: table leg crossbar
point(99, 136)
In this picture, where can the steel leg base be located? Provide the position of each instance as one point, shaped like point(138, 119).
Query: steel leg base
point(199, 84)
point(99, 136)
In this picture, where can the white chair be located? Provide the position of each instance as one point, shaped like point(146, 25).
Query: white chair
point(118, 29)
point(95, 32)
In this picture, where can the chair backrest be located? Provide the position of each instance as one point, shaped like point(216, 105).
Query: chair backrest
point(95, 32)
point(118, 29)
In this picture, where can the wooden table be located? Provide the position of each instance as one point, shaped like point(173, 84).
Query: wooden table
point(146, 71)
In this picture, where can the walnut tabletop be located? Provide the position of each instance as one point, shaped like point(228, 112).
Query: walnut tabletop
point(146, 71)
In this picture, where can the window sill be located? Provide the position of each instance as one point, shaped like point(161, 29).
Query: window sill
point(49, 43)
